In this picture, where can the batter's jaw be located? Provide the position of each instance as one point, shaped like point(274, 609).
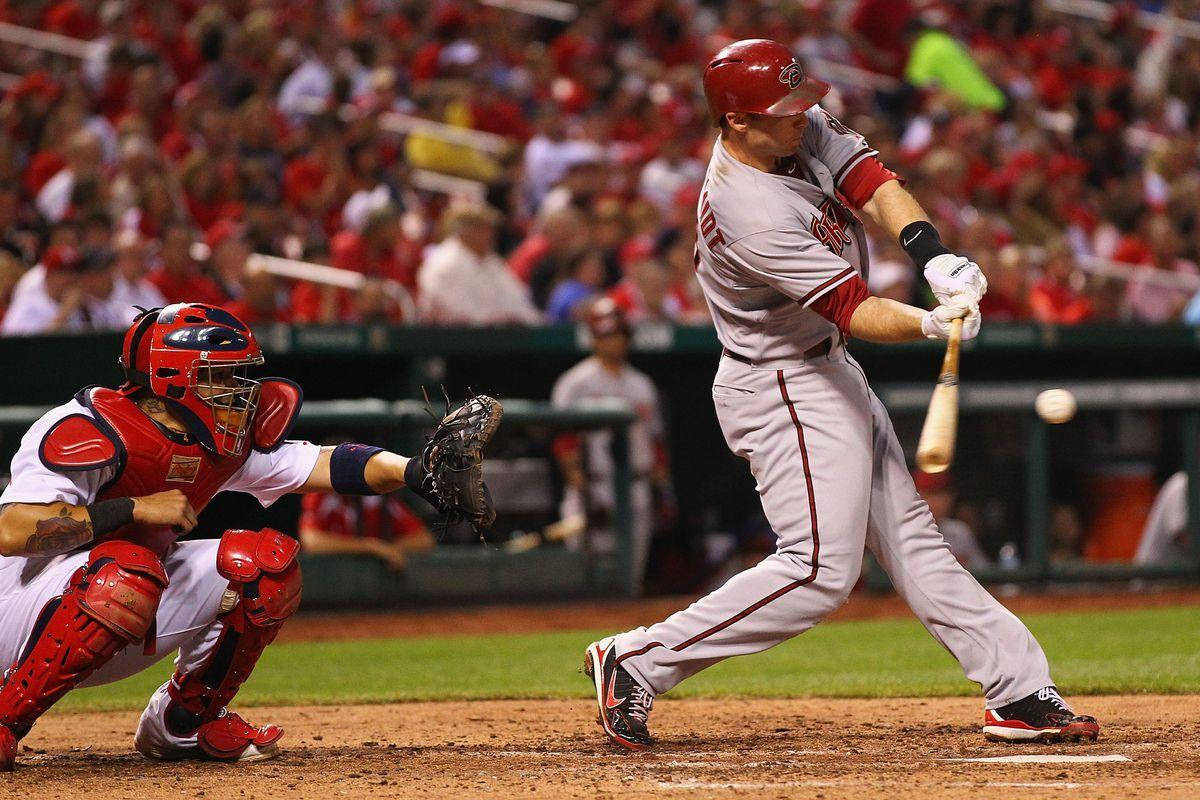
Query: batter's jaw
point(615, 700)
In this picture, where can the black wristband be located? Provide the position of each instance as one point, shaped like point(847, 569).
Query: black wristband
point(921, 241)
point(109, 515)
point(414, 474)
point(348, 467)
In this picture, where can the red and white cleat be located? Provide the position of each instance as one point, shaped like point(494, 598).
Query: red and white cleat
point(1041, 717)
point(226, 738)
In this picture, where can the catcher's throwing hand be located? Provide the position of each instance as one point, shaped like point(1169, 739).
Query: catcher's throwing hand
point(449, 471)
point(955, 279)
point(936, 323)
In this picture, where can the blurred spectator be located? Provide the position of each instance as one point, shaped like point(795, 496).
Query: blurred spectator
point(1016, 126)
point(546, 255)
point(376, 252)
point(587, 460)
point(261, 300)
point(550, 154)
point(107, 303)
point(1007, 298)
point(463, 281)
point(132, 267)
point(1157, 247)
point(938, 493)
point(893, 280)
point(178, 276)
point(645, 295)
point(1054, 298)
point(376, 525)
point(585, 277)
point(84, 157)
point(50, 298)
point(670, 171)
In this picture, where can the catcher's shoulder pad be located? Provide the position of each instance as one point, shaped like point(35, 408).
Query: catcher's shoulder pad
point(279, 402)
point(78, 442)
point(244, 555)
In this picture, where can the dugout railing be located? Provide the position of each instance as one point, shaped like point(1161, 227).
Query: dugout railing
point(478, 571)
point(975, 398)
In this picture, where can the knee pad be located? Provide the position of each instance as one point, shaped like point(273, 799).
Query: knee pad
point(109, 602)
point(263, 574)
point(264, 590)
point(121, 586)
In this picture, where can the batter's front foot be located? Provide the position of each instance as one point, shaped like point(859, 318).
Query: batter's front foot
point(623, 703)
point(8, 748)
point(1041, 717)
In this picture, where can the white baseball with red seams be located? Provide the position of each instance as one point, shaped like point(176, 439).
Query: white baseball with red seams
point(831, 474)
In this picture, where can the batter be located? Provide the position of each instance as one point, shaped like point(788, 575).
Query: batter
point(782, 261)
point(93, 585)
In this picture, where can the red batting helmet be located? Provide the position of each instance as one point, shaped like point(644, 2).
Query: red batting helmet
point(759, 76)
point(195, 358)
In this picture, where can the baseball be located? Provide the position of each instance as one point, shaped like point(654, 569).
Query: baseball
point(1055, 406)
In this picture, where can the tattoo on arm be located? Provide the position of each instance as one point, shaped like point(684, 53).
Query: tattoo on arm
point(59, 534)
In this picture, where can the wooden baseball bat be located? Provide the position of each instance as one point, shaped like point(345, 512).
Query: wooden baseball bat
point(935, 450)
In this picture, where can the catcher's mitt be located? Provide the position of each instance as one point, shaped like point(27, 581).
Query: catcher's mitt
point(449, 471)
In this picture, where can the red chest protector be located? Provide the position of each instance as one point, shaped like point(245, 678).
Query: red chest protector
point(150, 459)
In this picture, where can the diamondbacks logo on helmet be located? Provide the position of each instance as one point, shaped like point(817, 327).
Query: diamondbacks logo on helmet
point(829, 228)
point(792, 76)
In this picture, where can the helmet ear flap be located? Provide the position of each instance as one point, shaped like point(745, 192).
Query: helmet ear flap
point(135, 372)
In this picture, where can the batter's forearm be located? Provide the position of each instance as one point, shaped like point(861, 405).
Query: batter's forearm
point(43, 529)
point(878, 319)
point(893, 208)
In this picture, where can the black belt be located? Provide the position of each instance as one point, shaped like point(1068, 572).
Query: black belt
point(821, 348)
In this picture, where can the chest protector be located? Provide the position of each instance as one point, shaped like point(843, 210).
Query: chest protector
point(150, 459)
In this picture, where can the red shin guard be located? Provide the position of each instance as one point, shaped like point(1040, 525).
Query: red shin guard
point(264, 590)
point(109, 603)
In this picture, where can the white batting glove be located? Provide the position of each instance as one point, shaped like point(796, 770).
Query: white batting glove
point(955, 279)
point(936, 323)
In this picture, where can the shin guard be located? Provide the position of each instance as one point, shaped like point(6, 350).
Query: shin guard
point(264, 590)
point(109, 602)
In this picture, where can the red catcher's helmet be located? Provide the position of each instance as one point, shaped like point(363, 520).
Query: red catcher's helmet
point(196, 358)
point(759, 76)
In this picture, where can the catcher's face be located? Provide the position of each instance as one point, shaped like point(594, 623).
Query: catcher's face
point(232, 396)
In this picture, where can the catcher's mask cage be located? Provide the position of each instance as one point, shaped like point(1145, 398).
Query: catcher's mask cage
point(197, 358)
point(232, 395)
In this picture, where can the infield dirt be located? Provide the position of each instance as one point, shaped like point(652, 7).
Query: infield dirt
point(835, 749)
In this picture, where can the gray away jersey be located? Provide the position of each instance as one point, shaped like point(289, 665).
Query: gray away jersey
point(770, 245)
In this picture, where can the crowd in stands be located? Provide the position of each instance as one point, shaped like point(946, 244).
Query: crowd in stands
point(195, 134)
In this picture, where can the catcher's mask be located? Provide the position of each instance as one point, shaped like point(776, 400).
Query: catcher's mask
point(196, 358)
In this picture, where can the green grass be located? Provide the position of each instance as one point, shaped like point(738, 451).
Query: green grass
point(1155, 650)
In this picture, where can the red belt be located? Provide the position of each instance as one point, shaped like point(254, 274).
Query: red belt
point(821, 348)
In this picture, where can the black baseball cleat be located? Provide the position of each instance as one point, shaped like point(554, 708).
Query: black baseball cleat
point(624, 705)
point(1041, 717)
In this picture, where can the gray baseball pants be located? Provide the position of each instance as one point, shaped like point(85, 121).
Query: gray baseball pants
point(833, 479)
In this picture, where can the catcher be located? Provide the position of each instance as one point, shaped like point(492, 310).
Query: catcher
point(94, 586)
